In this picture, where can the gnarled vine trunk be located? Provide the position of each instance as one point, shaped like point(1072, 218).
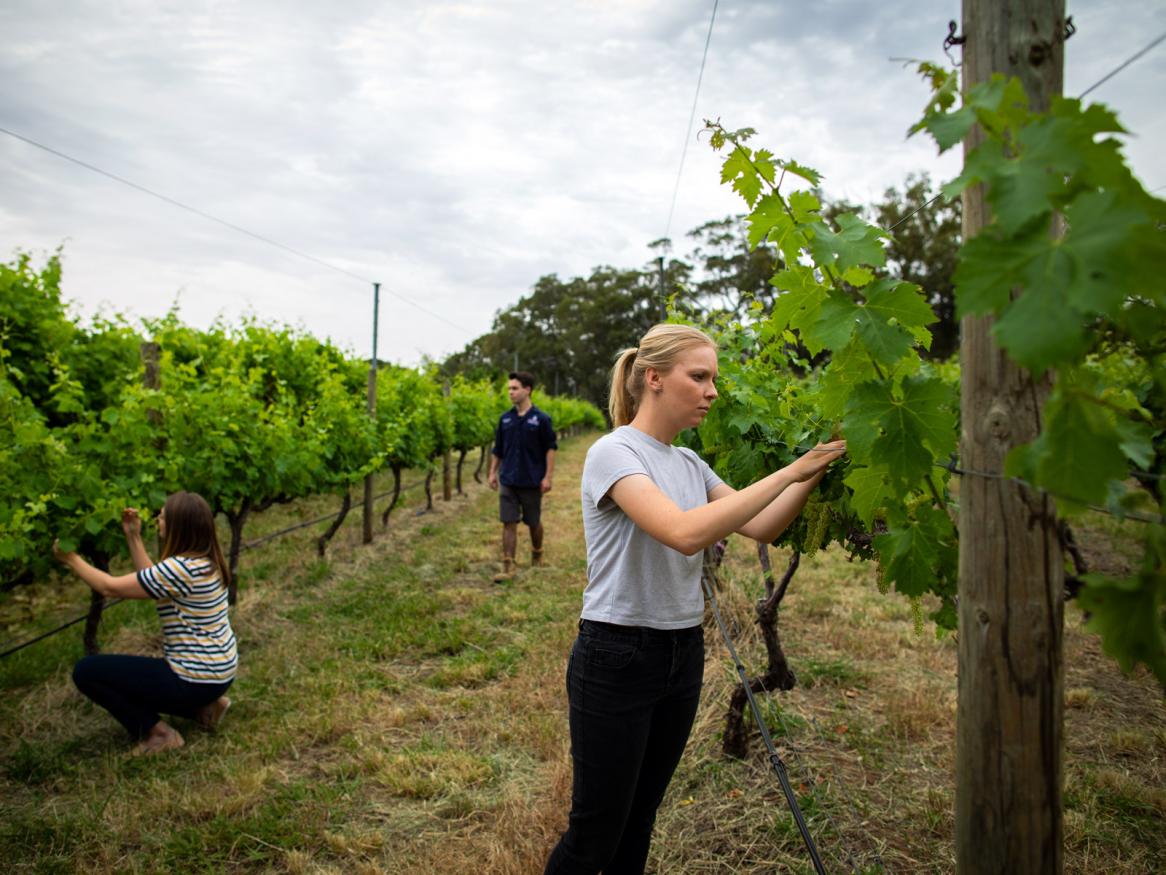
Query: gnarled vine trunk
point(481, 462)
point(236, 520)
point(396, 495)
point(778, 675)
point(96, 608)
point(345, 506)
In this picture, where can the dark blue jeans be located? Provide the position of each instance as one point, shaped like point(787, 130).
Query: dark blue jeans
point(633, 694)
point(135, 688)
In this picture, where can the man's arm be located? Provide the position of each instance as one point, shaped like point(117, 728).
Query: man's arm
point(552, 444)
point(492, 472)
point(545, 485)
point(495, 458)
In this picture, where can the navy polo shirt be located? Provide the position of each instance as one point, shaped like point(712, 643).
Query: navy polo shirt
point(521, 442)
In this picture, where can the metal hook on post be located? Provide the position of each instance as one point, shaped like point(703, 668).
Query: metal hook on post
point(952, 39)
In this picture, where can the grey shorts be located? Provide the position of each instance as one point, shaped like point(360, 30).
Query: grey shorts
point(518, 502)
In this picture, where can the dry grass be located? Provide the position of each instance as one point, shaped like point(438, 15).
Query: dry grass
point(397, 712)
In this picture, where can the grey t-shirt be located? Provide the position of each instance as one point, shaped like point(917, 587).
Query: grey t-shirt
point(633, 579)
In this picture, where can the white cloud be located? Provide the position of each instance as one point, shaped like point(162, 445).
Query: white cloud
point(455, 151)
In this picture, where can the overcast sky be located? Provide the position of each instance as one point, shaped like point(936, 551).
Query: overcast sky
point(454, 151)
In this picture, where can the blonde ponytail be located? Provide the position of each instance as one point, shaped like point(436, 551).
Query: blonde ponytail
point(659, 349)
point(621, 404)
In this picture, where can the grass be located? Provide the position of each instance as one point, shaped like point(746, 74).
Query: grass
point(396, 711)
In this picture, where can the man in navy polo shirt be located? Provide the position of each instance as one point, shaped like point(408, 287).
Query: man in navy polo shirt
point(521, 468)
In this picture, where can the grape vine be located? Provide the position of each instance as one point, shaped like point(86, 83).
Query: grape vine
point(1074, 303)
point(1085, 304)
point(248, 416)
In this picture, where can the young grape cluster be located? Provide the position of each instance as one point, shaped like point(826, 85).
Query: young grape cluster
point(817, 516)
point(917, 614)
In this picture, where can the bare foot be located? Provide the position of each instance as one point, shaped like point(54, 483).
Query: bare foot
point(162, 737)
point(208, 716)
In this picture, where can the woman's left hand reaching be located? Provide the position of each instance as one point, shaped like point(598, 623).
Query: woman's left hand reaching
point(60, 555)
point(131, 523)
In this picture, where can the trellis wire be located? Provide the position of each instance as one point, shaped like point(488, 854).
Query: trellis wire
point(774, 759)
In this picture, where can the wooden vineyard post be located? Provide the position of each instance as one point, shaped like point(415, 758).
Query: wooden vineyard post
point(151, 355)
point(447, 459)
point(366, 533)
point(1010, 711)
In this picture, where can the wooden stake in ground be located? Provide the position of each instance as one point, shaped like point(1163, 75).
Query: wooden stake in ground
point(446, 459)
point(1009, 724)
point(366, 530)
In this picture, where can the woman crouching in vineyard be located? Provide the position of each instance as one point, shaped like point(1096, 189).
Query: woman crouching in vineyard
point(190, 588)
point(635, 671)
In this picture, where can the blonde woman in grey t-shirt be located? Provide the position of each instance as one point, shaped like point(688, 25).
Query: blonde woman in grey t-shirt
point(649, 509)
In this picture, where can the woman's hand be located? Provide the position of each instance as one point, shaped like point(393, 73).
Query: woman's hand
point(131, 523)
point(816, 460)
point(60, 555)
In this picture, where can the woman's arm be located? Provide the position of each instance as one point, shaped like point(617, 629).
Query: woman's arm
point(131, 524)
point(780, 512)
point(690, 531)
point(126, 586)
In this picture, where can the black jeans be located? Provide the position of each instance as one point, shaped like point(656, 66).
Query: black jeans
point(633, 694)
point(135, 688)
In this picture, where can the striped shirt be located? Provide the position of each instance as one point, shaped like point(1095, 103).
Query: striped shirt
point(197, 640)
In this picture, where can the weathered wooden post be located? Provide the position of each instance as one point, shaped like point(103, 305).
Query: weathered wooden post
point(1010, 712)
point(366, 535)
point(447, 459)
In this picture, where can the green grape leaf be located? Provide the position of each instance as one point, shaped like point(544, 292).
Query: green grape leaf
point(858, 277)
point(986, 161)
point(910, 556)
point(856, 243)
point(990, 267)
point(805, 206)
point(1098, 246)
point(912, 430)
point(807, 173)
point(1021, 194)
point(1136, 442)
point(769, 219)
point(892, 308)
point(742, 419)
point(800, 302)
point(1127, 614)
point(763, 161)
point(837, 319)
point(1000, 103)
point(947, 128)
point(1078, 451)
point(739, 169)
point(886, 342)
point(849, 367)
point(1040, 331)
point(871, 492)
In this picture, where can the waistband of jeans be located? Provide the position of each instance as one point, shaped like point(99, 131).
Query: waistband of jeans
point(644, 633)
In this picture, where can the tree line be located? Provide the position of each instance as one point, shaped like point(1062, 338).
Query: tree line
point(567, 331)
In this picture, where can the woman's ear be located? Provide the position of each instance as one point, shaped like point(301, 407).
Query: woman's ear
point(652, 380)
